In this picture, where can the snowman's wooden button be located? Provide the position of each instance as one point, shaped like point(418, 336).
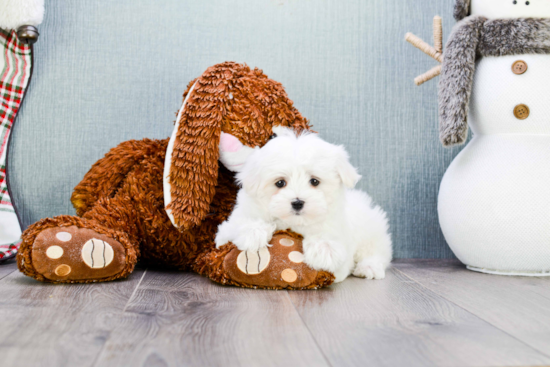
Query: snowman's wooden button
point(519, 67)
point(521, 112)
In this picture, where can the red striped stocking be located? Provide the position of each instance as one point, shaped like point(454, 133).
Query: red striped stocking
point(15, 72)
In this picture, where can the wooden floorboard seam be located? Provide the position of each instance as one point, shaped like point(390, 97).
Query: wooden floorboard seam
point(4, 275)
point(134, 292)
point(472, 313)
point(308, 330)
point(97, 357)
point(543, 296)
point(177, 317)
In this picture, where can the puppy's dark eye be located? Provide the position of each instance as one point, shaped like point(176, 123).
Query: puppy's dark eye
point(273, 136)
point(280, 184)
point(314, 182)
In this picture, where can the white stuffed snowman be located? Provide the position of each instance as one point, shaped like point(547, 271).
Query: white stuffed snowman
point(494, 200)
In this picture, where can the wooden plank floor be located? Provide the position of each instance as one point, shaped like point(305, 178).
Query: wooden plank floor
point(425, 313)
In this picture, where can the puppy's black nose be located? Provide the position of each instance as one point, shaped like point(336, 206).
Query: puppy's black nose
point(297, 204)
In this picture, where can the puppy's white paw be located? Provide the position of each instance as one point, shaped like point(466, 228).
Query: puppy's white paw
point(370, 269)
point(254, 237)
point(224, 235)
point(324, 255)
point(221, 240)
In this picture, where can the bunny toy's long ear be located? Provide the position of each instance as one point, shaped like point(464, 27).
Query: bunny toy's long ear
point(191, 165)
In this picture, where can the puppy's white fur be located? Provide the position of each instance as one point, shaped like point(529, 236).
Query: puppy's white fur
point(343, 232)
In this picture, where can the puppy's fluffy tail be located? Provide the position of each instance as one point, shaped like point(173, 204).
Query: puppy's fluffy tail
point(370, 228)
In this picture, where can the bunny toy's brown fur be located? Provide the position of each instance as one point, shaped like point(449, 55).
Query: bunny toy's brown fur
point(120, 200)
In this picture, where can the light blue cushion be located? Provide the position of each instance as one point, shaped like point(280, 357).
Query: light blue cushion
point(109, 71)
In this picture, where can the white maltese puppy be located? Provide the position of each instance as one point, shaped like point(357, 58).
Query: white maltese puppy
point(306, 184)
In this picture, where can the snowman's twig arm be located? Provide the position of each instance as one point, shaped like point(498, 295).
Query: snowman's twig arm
point(424, 47)
point(438, 34)
point(457, 75)
point(436, 52)
point(429, 75)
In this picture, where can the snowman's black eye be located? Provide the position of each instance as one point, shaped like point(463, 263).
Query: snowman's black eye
point(527, 3)
point(515, 2)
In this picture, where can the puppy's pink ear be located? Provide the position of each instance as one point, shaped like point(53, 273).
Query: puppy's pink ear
point(348, 174)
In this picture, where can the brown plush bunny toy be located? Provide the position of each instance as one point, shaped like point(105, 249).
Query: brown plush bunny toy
point(161, 201)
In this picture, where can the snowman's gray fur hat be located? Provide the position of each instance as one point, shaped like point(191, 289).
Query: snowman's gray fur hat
point(462, 9)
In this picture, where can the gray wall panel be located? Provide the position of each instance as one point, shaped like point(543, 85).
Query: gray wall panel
point(109, 71)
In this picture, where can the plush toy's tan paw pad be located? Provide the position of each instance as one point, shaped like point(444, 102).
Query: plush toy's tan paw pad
point(97, 254)
point(253, 262)
point(72, 253)
point(279, 266)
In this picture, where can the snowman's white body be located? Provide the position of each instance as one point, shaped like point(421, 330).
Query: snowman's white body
point(494, 200)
